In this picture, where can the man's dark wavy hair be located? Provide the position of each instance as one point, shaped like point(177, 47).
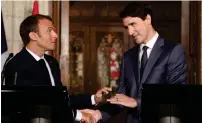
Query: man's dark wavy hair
point(136, 9)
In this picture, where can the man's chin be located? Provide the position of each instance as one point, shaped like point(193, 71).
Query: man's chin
point(50, 49)
point(138, 42)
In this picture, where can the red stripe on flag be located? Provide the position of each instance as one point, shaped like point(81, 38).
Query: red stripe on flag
point(35, 8)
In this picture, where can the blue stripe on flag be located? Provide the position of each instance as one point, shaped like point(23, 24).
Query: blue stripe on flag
point(4, 48)
point(3, 37)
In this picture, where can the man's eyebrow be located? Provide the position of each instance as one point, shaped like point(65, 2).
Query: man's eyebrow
point(51, 28)
point(131, 23)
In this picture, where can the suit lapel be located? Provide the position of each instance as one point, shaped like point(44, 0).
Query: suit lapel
point(135, 63)
point(155, 53)
point(51, 67)
point(29, 58)
point(53, 70)
point(32, 67)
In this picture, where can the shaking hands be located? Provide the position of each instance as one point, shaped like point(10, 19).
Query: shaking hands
point(87, 118)
point(100, 93)
point(91, 116)
point(121, 99)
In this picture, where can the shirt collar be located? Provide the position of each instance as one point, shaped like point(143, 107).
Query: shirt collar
point(34, 55)
point(151, 42)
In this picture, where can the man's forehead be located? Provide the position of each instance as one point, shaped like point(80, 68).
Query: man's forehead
point(129, 20)
point(45, 22)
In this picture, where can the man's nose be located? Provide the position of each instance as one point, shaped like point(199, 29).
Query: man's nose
point(130, 31)
point(55, 35)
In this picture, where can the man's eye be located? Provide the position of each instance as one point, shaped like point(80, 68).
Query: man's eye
point(50, 29)
point(133, 24)
point(125, 27)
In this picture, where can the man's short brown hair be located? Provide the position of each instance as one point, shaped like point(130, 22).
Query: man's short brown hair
point(30, 24)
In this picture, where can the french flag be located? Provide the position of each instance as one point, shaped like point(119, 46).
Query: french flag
point(4, 48)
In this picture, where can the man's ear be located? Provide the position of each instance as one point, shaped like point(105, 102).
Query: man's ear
point(148, 19)
point(33, 36)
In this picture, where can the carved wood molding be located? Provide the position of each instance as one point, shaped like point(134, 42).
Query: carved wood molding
point(185, 34)
point(56, 15)
point(195, 41)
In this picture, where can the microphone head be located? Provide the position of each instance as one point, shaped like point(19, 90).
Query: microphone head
point(8, 58)
point(10, 55)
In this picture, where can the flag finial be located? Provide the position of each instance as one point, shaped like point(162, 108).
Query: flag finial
point(35, 8)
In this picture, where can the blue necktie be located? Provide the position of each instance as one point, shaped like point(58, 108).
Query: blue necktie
point(144, 60)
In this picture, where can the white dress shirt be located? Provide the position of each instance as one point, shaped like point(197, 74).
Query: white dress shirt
point(78, 114)
point(150, 45)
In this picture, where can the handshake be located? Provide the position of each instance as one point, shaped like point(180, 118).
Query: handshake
point(93, 116)
point(101, 97)
point(90, 116)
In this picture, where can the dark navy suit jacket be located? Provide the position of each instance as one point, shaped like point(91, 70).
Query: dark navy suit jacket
point(24, 68)
point(166, 65)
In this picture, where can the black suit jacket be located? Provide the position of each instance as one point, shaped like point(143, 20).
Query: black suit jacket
point(166, 65)
point(23, 70)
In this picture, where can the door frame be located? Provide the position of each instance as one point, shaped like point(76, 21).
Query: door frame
point(191, 38)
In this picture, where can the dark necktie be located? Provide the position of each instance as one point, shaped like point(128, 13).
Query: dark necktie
point(45, 72)
point(143, 61)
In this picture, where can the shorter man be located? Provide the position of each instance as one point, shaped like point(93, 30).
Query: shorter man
point(32, 67)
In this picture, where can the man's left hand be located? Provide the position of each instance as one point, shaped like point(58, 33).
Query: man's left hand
point(98, 95)
point(124, 100)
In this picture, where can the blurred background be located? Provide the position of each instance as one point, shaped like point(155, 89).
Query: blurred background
point(92, 39)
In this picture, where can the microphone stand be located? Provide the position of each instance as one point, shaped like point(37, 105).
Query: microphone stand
point(4, 67)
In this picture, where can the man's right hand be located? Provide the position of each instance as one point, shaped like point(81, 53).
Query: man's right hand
point(87, 118)
point(95, 113)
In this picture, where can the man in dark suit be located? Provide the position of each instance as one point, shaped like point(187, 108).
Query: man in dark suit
point(32, 67)
point(153, 60)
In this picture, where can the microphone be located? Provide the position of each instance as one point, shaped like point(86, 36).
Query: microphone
point(4, 67)
point(15, 78)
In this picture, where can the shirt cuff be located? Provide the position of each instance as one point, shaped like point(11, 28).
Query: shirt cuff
point(78, 115)
point(93, 99)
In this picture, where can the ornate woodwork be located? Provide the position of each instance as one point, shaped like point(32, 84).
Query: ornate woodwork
point(89, 17)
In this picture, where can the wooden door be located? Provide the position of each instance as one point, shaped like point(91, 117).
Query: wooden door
point(98, 49)
point(108, 44)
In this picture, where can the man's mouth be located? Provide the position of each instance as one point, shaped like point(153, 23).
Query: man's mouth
point(53, 41)
point(135, 36)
